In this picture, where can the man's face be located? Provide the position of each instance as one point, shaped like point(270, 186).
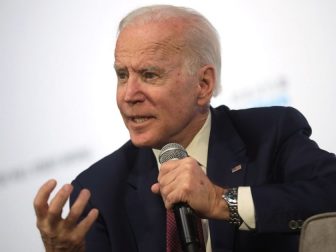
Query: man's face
point(156, 96)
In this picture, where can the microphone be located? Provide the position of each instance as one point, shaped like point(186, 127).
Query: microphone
point(186, 219)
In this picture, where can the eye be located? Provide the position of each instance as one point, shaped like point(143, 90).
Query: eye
point(122, 75)
point(149, 75)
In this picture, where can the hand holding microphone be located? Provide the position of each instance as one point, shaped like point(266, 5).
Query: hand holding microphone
point(185, 188)
point(181, 179)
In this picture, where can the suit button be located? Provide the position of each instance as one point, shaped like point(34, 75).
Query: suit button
point(300, 223)
point(293, 225)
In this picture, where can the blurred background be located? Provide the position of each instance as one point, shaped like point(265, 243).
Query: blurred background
point(57, 84)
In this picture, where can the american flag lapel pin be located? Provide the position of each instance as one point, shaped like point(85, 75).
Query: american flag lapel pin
point(236, 168)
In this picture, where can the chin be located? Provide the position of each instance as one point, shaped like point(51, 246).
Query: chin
point(142, 142)
point(149, 143)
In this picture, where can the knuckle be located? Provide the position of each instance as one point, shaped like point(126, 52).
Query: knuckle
point(190, 161)
point(40, 225)
point(186, 188)
point(75, 212)
point(189, 167)
point(164, 167)
point(75, 239)
point(49, 237)
point(37, 204)
point(169, 199)
point(61, 238)
point(53, 212)
point(164, 191)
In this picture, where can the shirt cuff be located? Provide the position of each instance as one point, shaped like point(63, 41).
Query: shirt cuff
point(246, 208)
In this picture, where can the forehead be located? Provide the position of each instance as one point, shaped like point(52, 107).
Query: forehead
point(152, 41)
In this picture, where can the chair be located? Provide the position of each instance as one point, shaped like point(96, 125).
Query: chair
point(318, 233)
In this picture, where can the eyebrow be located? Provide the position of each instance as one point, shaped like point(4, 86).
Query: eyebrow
point(150, 68)
point(140, 70)
point(116, 67)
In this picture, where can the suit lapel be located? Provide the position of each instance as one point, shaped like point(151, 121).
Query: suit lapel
point(227, 153)
point(226, 167)
point(145, 210)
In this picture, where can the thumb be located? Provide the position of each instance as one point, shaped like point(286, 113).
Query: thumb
point(156, 188)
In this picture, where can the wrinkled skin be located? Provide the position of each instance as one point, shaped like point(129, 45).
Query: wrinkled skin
point(60, 234)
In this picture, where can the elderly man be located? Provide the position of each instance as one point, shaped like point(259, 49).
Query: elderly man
point(253, 175)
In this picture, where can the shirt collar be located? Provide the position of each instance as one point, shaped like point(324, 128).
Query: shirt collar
point(198, 147)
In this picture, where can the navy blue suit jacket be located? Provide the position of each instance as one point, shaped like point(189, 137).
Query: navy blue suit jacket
point(291, 178)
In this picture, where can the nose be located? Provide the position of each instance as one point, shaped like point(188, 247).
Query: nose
point(133, 92)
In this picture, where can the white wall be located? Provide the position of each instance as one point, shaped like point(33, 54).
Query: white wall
point(57, 84)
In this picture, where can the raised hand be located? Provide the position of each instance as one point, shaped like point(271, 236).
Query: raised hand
point(60, 234)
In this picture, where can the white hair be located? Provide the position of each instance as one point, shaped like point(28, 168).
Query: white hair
point(200, 37)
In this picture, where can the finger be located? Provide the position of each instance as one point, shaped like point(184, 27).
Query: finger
point(78, 207)
point(168, 194)
point(174, 180)
point(156, 188)
point(179, 190)
point(169, 166)
point(84, 226)
point(58, 202)
point(41, 199)
point(168, 174)
point(169, 200)
point(173, 169)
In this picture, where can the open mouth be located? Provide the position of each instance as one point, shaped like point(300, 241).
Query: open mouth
point(140, 119)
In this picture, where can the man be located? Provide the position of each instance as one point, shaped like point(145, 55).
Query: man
point(167, 60)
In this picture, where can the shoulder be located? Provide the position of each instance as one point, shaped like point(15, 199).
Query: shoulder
point(263, 115)
point(274, 114)
point(263, 122)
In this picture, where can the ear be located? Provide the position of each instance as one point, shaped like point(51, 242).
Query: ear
point(207, 82)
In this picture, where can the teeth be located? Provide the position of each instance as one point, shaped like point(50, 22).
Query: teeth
point(140, 119)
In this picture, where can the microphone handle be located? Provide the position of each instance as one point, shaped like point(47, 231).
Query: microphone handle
point(186, 222)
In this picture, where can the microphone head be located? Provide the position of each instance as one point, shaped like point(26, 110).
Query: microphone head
point(172, 151)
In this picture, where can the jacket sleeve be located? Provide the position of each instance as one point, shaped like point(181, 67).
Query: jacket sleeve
point(303, 179)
